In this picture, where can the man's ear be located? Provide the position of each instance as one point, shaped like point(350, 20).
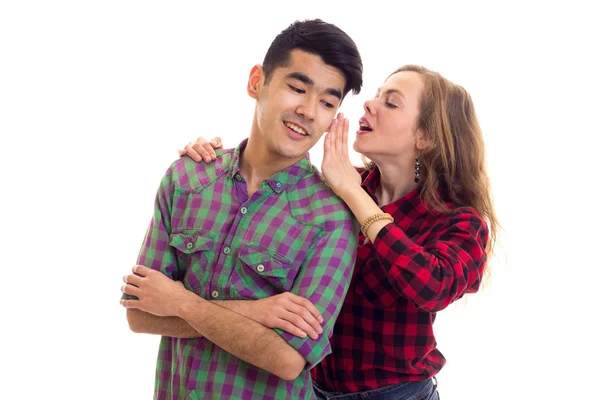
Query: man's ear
point(423, 139)
point(255, 81)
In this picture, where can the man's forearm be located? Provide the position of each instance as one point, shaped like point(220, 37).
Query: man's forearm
point(242, 337)
point(239, 306)
point(143, 322)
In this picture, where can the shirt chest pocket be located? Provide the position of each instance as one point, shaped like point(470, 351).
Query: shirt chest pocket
point(195, 252)
point(260, 272)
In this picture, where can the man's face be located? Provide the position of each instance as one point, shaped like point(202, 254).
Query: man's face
point(297, 105)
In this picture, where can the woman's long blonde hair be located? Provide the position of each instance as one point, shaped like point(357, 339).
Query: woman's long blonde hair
point(453, 166)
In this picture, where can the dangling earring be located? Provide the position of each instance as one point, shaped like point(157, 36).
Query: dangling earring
point(417, 168)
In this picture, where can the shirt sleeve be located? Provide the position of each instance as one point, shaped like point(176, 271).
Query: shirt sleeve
point(324, 279)
point(449, 264)
point(156, 253)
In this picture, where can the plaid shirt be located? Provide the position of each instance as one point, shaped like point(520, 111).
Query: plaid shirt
point(417, 266)
point(293, 234)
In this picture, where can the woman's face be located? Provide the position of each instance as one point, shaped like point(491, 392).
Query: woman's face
point(388, 130)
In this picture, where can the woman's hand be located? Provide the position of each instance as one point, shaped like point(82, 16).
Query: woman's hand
point(201, 149)
point(337, 169)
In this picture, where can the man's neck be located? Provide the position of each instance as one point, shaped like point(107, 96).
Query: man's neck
point(257, 164)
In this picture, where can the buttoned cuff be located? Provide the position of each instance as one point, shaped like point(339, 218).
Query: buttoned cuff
point(313, 351)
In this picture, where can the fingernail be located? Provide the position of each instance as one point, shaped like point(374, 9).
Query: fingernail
point(207, 159)
point(320, 330)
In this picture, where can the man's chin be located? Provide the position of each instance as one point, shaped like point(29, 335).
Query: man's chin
point(292, 153)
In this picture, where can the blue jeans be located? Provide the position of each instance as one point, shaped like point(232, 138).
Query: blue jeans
point(424, 390)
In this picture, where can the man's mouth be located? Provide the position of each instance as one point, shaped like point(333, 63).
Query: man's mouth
point(296, 128)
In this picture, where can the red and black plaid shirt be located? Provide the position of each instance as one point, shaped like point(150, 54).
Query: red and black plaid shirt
point(417, 266)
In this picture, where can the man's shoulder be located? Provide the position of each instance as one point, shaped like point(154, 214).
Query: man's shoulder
point(189, 175)
point(314, 202)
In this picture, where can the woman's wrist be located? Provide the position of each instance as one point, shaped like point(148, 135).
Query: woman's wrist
point(347, 191)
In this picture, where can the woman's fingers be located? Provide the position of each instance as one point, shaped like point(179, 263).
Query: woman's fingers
point(192, 153)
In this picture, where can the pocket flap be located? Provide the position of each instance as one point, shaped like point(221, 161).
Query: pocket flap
point(264, 261)
point(189, 243)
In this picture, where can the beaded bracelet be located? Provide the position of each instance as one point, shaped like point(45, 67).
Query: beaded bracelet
point(374, 218)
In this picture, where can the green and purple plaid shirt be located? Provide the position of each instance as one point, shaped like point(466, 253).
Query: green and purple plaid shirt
point(293, 234)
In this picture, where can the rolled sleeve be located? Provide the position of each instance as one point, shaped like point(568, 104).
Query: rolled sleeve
point(324, 280)
point(441, 270)
point(156, 253)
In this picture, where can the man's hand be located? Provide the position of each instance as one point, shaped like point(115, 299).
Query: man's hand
point(156, 293)
point(288, 312)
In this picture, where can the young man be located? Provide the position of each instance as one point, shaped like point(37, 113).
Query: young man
point(256, 223)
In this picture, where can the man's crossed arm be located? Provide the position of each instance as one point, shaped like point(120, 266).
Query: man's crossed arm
point(165, 307)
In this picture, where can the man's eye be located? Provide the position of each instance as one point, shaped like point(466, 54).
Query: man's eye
point(295, 89)
point(328, 105)
point(391, 105)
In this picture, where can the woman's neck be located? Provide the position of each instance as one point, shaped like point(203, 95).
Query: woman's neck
point(395, 182)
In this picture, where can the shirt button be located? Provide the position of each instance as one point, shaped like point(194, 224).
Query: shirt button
point(226, 250)
point(243, 210)
point(260, 267)
point(278, 185)
point(215, 294)
point(189, 245)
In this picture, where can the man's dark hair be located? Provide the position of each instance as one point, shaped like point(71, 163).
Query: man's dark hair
point(320, 38)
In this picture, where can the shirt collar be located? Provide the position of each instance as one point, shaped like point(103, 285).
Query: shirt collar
point(370, 182)
point(280, 180)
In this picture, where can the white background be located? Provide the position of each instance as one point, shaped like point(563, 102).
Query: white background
point(95, 98)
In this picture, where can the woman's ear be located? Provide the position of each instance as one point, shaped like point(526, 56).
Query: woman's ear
point(423, 140)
